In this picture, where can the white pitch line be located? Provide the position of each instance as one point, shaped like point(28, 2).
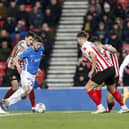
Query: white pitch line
point(14, 114)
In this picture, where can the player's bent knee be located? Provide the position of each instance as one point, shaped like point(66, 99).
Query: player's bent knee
point(89, 86)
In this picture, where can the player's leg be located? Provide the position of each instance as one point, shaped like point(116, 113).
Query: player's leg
point(26, 81)
point(99, 92)
point(93, 95)
point(125, 94)
point(110, 101)
point(32, 99)
point(117, 96)
point(14, 78)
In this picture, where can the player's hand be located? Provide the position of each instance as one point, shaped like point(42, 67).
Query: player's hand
point(19, 70)
point(90, 74)
point(120, 81)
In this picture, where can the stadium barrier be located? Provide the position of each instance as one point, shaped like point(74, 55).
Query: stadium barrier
point(62, 99)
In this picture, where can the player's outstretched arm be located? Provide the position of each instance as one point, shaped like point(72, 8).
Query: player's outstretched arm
point(110, 48)
point(93, 58)
point(16, 63)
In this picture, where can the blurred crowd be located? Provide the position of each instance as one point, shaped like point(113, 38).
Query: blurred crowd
point(108, 22)
point(17, 17)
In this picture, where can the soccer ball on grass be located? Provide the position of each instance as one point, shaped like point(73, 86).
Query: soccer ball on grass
point(40, 107)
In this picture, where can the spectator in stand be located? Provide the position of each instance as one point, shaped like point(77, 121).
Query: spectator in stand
point(55, 11)
point(48, 17)
point(22, 14)
point(107, 10)
point(4, 50)
point(102, 33)
point(49, 30)
point(81, 74)
point(89, 24)
point(3, 10)
point(4, 36)
point(125, 33)
point(16, 39)
point(38, 5)
point(119, 11)
point(107, 22)
point(114, 41)
point(12, 10)
point(9, 25)
point(20, 27)
point(93, 12)
point(116, 28)
point(118, 20)
point(36, 18)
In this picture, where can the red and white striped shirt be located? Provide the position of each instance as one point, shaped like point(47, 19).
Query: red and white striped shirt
point(21, 46)
point(102, 63)
point(112, 57)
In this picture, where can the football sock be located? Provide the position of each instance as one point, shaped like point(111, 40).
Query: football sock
point(99, 93)
point(118, 97)
point(93, 95)
point(9, 93)
point(32, 98)
point(16, 96)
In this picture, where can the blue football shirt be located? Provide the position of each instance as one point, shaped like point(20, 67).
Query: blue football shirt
point(32, 59)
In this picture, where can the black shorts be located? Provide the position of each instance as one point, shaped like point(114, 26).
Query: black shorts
point(13, 74)
point(107, 76)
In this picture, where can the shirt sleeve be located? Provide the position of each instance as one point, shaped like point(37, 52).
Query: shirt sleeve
point(24, 54)
point(123, 65)
point(87, 51)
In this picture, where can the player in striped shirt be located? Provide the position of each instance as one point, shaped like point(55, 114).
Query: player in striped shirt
point(108, 52)
point(106, 73)
point(13, 71)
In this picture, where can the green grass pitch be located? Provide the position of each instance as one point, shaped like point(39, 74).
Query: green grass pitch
point(64, 120)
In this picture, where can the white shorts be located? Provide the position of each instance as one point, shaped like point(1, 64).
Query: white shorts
point(27, 79)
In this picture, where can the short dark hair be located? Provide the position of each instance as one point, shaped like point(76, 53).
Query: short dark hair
point(30, 33)
point(82, 34)
point(38, 38)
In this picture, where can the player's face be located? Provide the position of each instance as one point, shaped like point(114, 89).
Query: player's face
point(78, 40)
point(36, 45)
point(29, 40)
point(81, 41)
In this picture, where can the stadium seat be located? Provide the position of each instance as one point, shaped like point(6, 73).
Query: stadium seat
point(2, 65)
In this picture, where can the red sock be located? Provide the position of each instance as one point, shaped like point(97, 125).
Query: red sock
point(118, 97)
point(32, 98)
point(93, 95)
point(9, 93)
point(110, 106)
point(99, 93)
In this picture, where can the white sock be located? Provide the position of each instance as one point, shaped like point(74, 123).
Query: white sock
point(15, 97)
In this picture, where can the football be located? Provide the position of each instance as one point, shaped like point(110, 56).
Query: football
point(40, 107)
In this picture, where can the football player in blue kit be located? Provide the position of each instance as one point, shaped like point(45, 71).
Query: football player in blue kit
point(32, 56)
